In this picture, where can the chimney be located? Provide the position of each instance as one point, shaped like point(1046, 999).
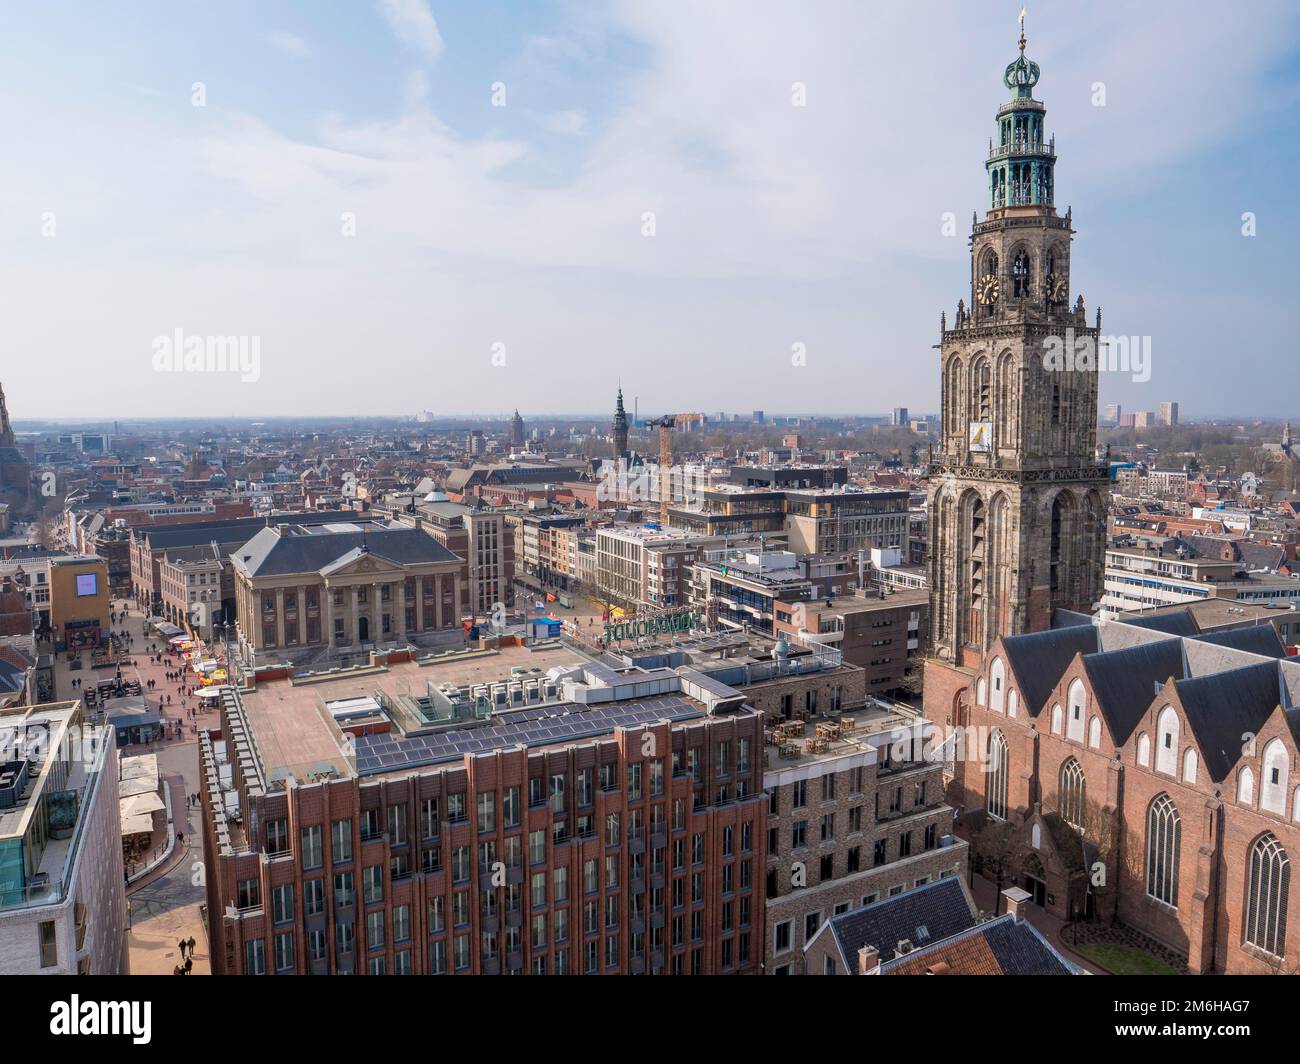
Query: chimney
point(1017, 902)
point(868, 960)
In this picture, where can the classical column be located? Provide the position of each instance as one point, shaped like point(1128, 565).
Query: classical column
point(327, 614)
point(356, 615)
point(279, 616)
point(437, 600)
point(376, 612)
point(455, 600)
point(401, 606)
point(419, 603)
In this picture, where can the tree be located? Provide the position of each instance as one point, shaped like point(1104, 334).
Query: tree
point(996, 848)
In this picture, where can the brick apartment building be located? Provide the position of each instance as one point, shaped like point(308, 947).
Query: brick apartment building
point(861, 820)
point(413, 822)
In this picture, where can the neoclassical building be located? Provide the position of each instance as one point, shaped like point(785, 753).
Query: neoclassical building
point(302, 590)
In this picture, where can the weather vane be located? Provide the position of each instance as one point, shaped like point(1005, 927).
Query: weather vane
point(1022, 29)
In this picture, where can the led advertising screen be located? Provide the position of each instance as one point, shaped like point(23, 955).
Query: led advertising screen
point(87, 584)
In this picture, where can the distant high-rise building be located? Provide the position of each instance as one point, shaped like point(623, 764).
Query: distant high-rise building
point(516, 430)
point(1169, 413)
point(899, 416)
point(1113, 412)
point(759, 417)
point(1144, 419)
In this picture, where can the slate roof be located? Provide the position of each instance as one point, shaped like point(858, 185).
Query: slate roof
point(1261, 556)
point(1069, 618)
point(935, 911)
point(1039, 658)
point(279, 552)
point(1223, 706)
point(1124, 681)
point(230, 530)
point(1003, 946)
point(1255, 639)
point(1175, 622)
point(12, 677)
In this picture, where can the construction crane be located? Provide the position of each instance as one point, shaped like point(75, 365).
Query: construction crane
point(665, 425)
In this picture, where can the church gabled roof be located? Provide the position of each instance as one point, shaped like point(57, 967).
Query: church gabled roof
point(1039, 658)
point(1125, 681)
point(1224, 706)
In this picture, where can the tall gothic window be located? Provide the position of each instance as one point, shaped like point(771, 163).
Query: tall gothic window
point(1164, 842)
point(1021, 275)
point(977, 555)
point(1072, 791)
point(1266, 895)
point(983, 392)
point(996, 796)
point(1056, 557)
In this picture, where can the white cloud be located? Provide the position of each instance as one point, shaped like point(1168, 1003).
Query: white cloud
point(414, 25)
point(775, 223)
point(288, 43)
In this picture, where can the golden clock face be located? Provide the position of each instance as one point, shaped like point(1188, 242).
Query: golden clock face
point(987, 289)
point(1057, 289)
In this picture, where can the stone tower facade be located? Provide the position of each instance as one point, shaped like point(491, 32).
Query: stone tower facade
point(1017, 497)
point(620, 428)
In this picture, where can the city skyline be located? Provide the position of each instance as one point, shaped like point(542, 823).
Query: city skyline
point(794, 203)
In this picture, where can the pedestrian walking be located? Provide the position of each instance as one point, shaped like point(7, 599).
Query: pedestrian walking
point(192, 945)
point(180, 944)
point(189, 964)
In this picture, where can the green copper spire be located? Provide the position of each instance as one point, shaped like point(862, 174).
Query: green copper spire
point(1021, 164)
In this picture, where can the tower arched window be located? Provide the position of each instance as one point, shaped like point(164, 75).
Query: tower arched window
point(982, 387)
point(1021, 276)
point(997, 685)
point(1072, 793)
point(952, 398)
point(1164, 844)
point(1267, 888)
point(995, 799)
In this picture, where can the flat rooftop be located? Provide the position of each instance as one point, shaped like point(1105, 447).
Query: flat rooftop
point(881, 721)
point(294, 733)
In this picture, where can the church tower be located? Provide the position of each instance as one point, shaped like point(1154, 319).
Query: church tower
point(6, 429)
point(620, 428)
point(1017, 499)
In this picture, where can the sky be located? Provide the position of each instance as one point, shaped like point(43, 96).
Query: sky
point(407, 205)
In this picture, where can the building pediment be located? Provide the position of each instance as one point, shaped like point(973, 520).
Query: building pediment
point(361, 563)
